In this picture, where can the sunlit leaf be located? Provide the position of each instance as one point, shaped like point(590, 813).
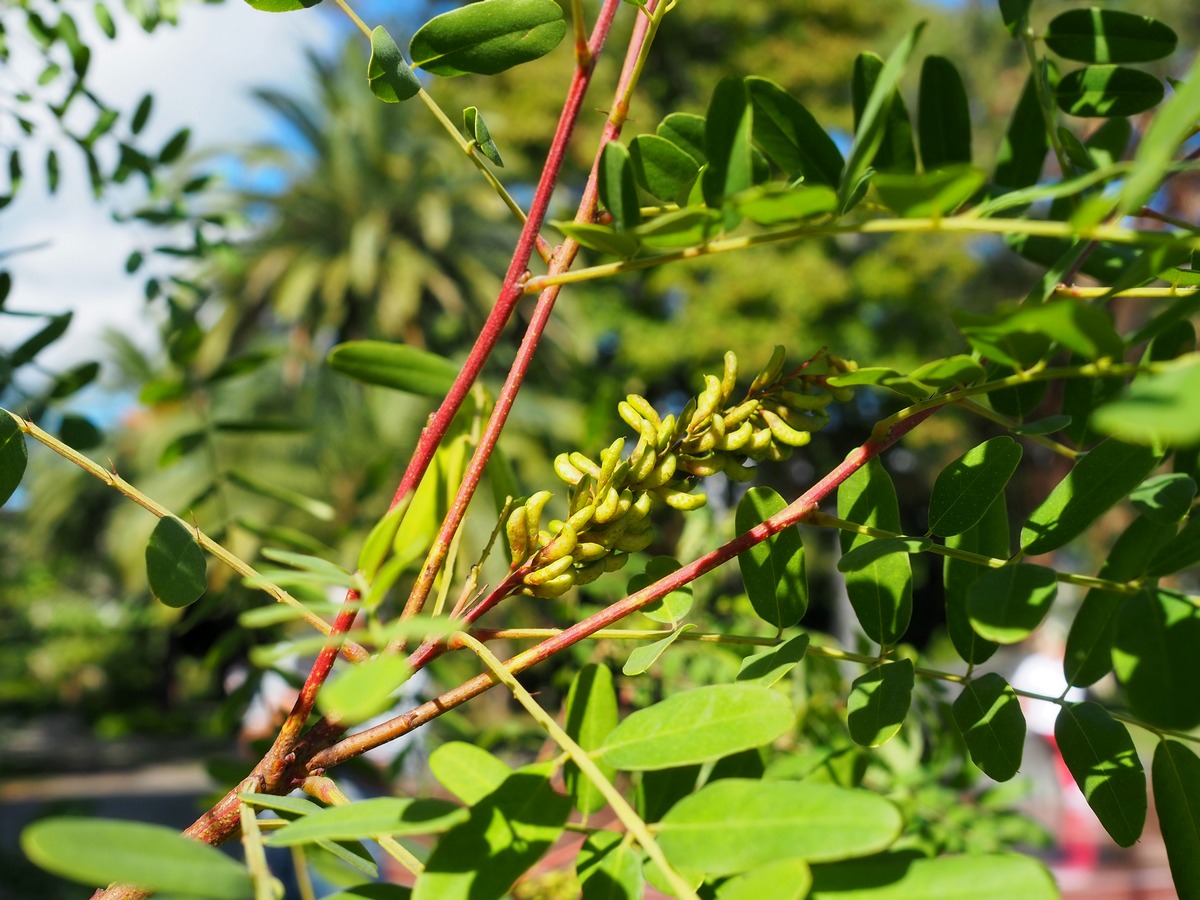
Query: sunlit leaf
point(735, 825)
point(365, 690)
point(641, 658)
point(488, 37)
point(282, 5)
point(609, 868)
point(1161, 408)
point(768, 666)
point(14, 456)
point(904, 876)
point(1106, 90)
point(1006, 604)
point(100, 851)
point(1109, 36)
point(368, 818)
point(989, 716)
point(879, 701)
point(789, 134)
point(1104, 763)
point(175, 563)
point(477, 131)
point(470, 773)
point(662, 167)
point(784, 879)
point(967, 487)
point(591, 713)
point(1155, 658)
point(389, 75)
point(397, 366)
point(670, 608)
point(773, 570)
point(1164, 498)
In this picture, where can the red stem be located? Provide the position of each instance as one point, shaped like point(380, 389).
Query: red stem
point(794, 513)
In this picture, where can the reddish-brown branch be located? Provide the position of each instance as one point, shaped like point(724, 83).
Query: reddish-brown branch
point(561, 262)
point(791, 515)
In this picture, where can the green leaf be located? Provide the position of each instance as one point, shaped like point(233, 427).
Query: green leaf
point(365, 690)
point(727, 142)
point(389, 76)
point(477, 131)
point(784, 879)
point(1048, 425)
point(1006, 604)
point(618, 191)
point(871, 551)
point(903, 876)
point(789, 135)
point(173, 149)
point(641, 658)
point(1179, 552)
point(662, 167)
point(1109, 36)
point(879, 701)
point(875, 94)
point(1164, 498)
point(396, 366)
point(773, 570)
point(601, 238)
point(967, 487)
point(276, 6)
point(683, 228)
point(1106, 91)
point(929, 194)
point(989, 716)
point(769, 666)
point(685, 131)
point(880, 593)
point(41, 339)
point(591, 714)
point(1104, 763)
point(488, 37)
point(1022, 337)
point(1088, 655)
point(327, 572)
point(1022, 154)
point(1015, 14)
point(315, 508)
point(736, 825)
point(372, 892)
point(697, 726)
point(988, 537)
point(944, 121)
point(507, 832)
point(470, 773)
point(1161, 409)
point(14, 456)
point(75, 431)
point(370, 818)
point(770, 204)
point(1154, 657)
point(1108, 472)
point(378, 545)
point(1175, 775)
point(948, 373)
point(100, 851)
point(674, 606)
point(175, 563)
point(294, 806)
point(1171, 127)
point(609, 868)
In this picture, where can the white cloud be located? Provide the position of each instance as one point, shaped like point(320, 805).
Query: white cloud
point(201, 73)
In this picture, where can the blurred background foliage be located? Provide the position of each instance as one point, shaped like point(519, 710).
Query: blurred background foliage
point(369, 226)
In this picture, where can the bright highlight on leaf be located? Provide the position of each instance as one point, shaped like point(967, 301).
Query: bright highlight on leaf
point(175, 563)
point(488, 37)
point(989, 716)
point(100, 851)
point(879, 701)
point(969, 485)
point(389, 75)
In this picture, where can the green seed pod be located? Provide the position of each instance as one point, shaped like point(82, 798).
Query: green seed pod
point(736, 439)
point(549, 571)
point(739, 414)
point(606, 509)
point(632, 417)
point(642, 461)
point(632, 542)
point(589, 551)
point(735, 471)
point(533, 511)
point(580, 518)
point(802, 402)
point(717, 426)
point(562, 544)
point(585, 465)
point(642, 406)
point(555, 587)
point(625, 503)
point(770, 371)
point(609, 457)
point(803, 421)
point(783, 432)
point(642, 506)
point(705, 466)
point(661, 473)
point(729, 377)
point(703, 443)
point(517, 530)
point(565, 471)
point(581, 496)
point(666, 433)
point(589, 573)
point(681, 500)
point(615, 561)
point(760, 441)
point(777, 452)
point(706, 402)
point(544, 537)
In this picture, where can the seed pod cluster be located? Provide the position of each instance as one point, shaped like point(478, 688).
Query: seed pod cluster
point(612, 498)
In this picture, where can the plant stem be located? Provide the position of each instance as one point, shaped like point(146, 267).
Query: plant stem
point(628, 817)
point(639, 46)
point(327, 791)
point(350, 650)
point(964, 224)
